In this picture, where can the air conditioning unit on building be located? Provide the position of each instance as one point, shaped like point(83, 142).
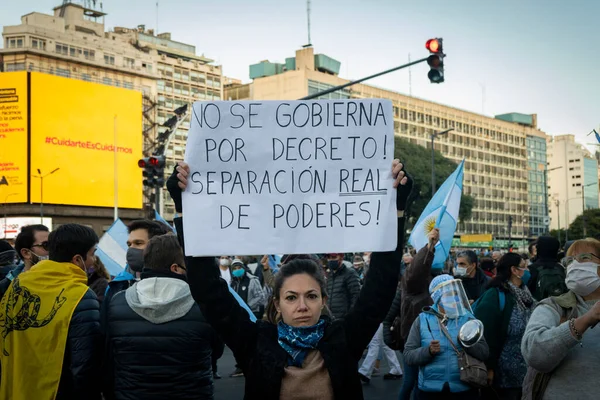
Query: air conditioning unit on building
point(163, 57)
point(195, 64)
point(179, 61)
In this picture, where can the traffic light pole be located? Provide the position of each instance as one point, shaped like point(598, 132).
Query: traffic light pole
point(157, 200)
point(345, 85)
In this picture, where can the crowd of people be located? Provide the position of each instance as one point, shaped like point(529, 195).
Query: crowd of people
point(316, 326)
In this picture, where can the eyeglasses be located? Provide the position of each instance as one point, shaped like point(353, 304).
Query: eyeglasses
point(583, 257)
point(43, 245)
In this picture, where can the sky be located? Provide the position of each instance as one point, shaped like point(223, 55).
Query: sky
point(533, 56)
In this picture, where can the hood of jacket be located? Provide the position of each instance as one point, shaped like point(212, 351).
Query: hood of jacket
point(547, 248)
point(159, 300)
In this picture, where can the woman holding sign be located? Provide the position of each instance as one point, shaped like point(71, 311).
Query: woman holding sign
point(305, 355)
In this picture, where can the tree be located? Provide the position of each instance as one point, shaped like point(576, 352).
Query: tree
point(592, 223)
point(417, 160)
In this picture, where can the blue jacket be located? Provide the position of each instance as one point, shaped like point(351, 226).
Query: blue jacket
point(444, 367)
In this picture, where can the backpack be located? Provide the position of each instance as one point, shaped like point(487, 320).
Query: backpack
point(550, 282)
point(501, 301)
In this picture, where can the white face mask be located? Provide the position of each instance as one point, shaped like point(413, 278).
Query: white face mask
point(460, 271)
point(225, 262)
point(582, 278)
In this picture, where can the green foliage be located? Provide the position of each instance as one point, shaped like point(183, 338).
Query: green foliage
point(417, 160)
point(592, 223)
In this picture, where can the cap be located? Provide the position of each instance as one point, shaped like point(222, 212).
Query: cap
point(237, 261)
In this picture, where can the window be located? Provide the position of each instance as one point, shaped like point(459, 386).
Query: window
point(89, 54)
point(63, 72)
point(128, 62)
point(15, 42)
point(74, 51)
point(62, 49)
point(147, 67)
point(86, 77)
point(128, 85)
point(38, 44)
point(109, 59)
point(107, 81)
point(15, 67)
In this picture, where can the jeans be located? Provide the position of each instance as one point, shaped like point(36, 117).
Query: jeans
point(409, 383)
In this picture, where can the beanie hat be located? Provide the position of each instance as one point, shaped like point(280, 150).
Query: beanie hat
point(435, 282)
point(237, 261)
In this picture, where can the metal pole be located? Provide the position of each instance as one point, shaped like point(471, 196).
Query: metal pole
point(116, 175)
point(157, 200)
point(41, 200)
point(558, 218)
point(432, 167)
point(345, 85)
point(583, 211)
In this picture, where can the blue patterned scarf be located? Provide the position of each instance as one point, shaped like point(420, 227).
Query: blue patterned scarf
point(297, 341)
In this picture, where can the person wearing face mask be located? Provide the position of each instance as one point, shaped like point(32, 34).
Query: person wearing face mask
point(343, 285)
point(428, 344)
point(248, 287)
point(156, 335)
point(31, 248)
point(224, 267)
point(98, 278)
point(55, 318)
point(473, 278)
point(562, 342)
point(140, 232)
point(505, 309)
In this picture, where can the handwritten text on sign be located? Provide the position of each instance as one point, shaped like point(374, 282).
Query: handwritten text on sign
point(290, 177)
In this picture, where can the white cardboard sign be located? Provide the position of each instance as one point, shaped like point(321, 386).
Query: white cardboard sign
point(291, 177)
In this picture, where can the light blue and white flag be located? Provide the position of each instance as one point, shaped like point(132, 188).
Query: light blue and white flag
point(442, 213)
point(112, 248)
point(159, 218)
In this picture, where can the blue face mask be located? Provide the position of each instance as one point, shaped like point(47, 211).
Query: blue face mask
point(526, 276)
point(238, 273)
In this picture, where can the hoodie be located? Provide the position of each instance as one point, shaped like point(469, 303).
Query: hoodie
point(159, 300)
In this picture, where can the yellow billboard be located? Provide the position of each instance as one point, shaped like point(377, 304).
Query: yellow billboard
point(85, 141)
point(13, 137)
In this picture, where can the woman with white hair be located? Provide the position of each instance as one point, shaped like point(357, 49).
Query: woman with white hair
point(428, 345)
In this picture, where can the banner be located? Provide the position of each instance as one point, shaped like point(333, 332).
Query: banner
point(13, 137)
point(290, 177)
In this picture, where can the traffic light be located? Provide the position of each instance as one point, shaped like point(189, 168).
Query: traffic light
point(435, 60)
point(154, 170)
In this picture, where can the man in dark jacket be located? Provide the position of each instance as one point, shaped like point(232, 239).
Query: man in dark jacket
point(159, 344)
point(343, 285)
point(473, 278)
point(52, 321)
point(7, 258)
point(31, 247)
point(547, 275)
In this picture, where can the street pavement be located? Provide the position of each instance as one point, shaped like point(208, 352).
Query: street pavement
point(233, 388)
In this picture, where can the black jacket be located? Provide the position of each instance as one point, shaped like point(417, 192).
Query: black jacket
point(156, 361)
point(80, 377)
point(477, 285)
point(343, 287)
point(255, 345)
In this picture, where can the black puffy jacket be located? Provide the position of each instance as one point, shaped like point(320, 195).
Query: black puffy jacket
point(80, 377)
point(156, 361)
point(343, 287)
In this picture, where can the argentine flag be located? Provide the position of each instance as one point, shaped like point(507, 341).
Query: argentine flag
point(442, 213)
point(112, 248)
point(159, 218)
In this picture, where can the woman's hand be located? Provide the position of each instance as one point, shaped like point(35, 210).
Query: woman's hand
point(434, 347)
point(403, 182)
point(177, 183)
point(434, 237)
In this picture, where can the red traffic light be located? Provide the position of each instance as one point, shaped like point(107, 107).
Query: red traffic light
point(143, 163)
point(157, 161)
point(434, 45)
point(154, 161)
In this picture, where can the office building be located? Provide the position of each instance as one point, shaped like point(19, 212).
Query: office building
point(495, 149)
point(572, 178)
point(73, 43)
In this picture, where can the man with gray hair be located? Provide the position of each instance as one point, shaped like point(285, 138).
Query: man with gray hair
point(157, 337)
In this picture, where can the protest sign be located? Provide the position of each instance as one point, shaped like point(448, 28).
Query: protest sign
point(290, 177)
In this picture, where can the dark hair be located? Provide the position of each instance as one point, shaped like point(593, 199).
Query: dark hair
point(152, 227)
point(70, 240)
point(162, 252)
point(299, 265)
point(530, 248)
point(503, 272)
point(26, 238)
point(100, 269)
point(469, 255)
point(487, 264)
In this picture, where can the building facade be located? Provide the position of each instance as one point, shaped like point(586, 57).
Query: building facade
point(73, 43)
point(573, 180)
point(495, 150)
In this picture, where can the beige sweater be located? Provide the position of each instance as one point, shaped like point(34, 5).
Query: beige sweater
point(309, 382)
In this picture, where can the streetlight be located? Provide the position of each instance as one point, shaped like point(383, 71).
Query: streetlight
point(42, 190)
point(546, 213)
point(5, 203)
point(433, 136)
point(558, 216)
point(583, 207)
